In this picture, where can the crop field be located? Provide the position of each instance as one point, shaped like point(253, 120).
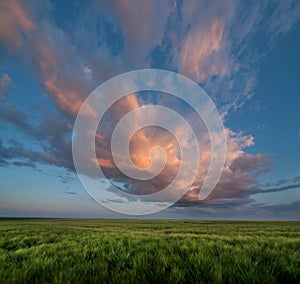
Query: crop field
point(136, 251)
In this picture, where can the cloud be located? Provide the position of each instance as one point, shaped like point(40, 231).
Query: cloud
point(142, 24)
point(236, 209)
point(206, 42)
point(285, 17)
point(204, 51)
point(197, 60)
point(239, 176)
point(10, 113)
point(49, 53)
point(278, 188)
point(236, 192)
point(15, 153)
point(283, 208)
point(210, 42)
point(15, 22)
point(216, 44)
point(235, 182)
point(5, 85)
point(52, 135)
point(71, 192)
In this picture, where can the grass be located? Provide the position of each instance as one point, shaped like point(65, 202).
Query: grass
point(135, 251)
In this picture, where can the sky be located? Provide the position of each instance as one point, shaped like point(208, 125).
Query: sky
point(245, 55)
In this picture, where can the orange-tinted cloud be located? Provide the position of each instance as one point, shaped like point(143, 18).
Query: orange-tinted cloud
point(200, 53)
point(48, 51)
point(68, 100)
point(199, 56)
point(105, 163)
point(145, 139)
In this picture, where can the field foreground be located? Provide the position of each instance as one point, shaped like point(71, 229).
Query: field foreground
point(136, 251)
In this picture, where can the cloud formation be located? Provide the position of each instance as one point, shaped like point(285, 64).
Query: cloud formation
point(209, 42)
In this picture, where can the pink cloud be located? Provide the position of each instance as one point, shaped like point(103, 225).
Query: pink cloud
point(67, 100)
point(203, 51)
point(14, 20)
point(143, 25)
point(199, 55)
point(50, 56)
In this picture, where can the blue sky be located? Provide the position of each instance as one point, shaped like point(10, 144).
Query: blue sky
point(53, 54)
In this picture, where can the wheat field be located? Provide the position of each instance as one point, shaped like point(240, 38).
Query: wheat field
point(139, 251)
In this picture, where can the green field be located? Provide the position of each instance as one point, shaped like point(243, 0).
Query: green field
point(135, 251)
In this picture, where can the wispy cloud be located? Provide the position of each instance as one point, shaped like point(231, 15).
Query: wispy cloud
point(15, 22)
point(209, 41)
point(5, 85)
